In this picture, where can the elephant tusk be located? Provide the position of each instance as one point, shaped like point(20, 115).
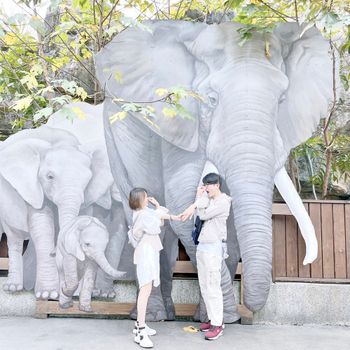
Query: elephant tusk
point(295, 204)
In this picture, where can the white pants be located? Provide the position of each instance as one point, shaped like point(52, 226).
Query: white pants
point(209, 277)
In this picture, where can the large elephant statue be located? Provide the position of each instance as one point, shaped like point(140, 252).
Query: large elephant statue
point(108, 209)
point(80, 250)
point(262, 99)
point(43, 171)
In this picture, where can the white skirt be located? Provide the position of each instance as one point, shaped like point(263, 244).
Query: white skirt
point(147, 270)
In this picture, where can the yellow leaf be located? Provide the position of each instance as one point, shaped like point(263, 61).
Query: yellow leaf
point(80, 114)
point(22, 104)
point(161, 92)
point(118, 77)
point(9, 39)
point(81, 93)
point(30, 81)
point(169, 112)
point(36, 70)
point(151, 108)
point(118, 116)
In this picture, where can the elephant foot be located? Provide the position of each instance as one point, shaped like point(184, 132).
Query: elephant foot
point(66, 305)
point(85, 308)
point(169, 308)
point(151, 316)
point(201, 314)
point(231, 315)
point(46, 294)
point(12, 287)
point(104, 293)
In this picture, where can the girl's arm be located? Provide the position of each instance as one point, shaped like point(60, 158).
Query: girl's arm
point(163, 212)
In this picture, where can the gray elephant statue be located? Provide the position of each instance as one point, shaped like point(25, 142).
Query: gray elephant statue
point(81, 248)
point(108, 209)
point(258, 105)
point(43, 171)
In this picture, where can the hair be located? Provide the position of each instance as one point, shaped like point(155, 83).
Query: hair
point(136, 197)
point(212, 178)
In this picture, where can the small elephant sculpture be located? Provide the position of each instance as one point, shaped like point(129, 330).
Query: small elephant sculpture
point(80, 250)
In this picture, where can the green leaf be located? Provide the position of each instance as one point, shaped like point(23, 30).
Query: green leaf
point(43, 113)
point(37, 24)
point(62, 100)
point(345, 81)
point(233, 4)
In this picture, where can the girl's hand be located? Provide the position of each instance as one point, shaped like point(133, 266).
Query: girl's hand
point(175, 217)
point(200, 190)
point(154, 202)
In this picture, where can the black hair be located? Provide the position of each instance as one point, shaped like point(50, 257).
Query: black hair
point(212, 178)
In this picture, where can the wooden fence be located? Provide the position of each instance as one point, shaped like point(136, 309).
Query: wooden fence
point(332, 225)
point(331, 220)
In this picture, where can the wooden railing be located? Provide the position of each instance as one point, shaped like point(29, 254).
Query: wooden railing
point(331, 220)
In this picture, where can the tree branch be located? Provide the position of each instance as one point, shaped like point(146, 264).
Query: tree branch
point(280, 14)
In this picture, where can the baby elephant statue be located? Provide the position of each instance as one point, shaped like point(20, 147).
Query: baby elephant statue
point(80, 250)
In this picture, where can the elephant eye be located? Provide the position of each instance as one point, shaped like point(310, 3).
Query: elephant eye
point(87, 244)
point(213, 98)
point(50, 176)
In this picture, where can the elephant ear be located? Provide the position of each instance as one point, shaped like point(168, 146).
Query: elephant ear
point(105, 201)
point(102, 178)
point(71, 236)
point(308, 65)
point(138, 62)
point(19, 166)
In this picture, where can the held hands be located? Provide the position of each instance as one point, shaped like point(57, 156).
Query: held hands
point(175, 217)
point(188, 213)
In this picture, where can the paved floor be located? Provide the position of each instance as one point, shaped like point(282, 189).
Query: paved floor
point(101, 334)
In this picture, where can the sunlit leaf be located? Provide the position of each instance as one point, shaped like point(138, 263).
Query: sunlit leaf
point(22, 104)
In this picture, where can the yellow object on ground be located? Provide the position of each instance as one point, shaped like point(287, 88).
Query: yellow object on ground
point(191, 329)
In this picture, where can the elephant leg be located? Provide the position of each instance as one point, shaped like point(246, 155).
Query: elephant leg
point(41, 228)
point(155, 307)
point(167, 257)
point(14, 282)
point(87, 286)
point(67, 267)
point(117, 228)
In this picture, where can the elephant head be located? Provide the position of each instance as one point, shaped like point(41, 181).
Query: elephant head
point(261, 103)
point(88, 237)
point(50, 163)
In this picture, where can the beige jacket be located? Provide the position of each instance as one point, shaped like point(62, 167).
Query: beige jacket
point(215, 213)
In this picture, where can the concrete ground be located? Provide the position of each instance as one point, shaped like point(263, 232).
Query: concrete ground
point(100, 334)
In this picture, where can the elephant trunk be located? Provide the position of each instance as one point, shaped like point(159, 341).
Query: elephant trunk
point(249, 174)
point(69, 206)
point(101, 260)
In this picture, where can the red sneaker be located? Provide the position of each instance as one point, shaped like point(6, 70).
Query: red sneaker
point(214, 333)
point(204, 327)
